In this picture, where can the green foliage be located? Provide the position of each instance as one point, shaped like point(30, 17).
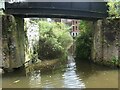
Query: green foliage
point(1, 12)
point(114, 8)
point(114, 60)
point(84, 41)
point(54, 40)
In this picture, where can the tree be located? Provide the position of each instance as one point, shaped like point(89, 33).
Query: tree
point(114, 8)
point(84, 41)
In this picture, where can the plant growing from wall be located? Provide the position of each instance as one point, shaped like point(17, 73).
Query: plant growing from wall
point(114, 60)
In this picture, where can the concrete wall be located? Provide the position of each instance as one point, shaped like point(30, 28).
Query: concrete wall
point(12, 41)
point(106, 42)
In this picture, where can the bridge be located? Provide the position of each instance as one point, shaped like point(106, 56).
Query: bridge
point(20, 10)
point(78, 10)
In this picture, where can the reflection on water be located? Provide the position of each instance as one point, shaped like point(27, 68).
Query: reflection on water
point(66, 79)
point(73, 75)
point(35, 79)
point(71, 79)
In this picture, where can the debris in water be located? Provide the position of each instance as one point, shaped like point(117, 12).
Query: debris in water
point(16, 81)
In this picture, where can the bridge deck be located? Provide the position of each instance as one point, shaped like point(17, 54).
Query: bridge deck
point(88, 10)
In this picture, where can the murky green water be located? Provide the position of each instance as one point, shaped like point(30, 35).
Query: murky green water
point(73, 75)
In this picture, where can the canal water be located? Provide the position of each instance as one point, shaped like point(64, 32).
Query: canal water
point(80, 74)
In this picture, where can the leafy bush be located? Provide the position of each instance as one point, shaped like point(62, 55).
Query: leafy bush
point(54, 40)
point(84, 41)
point(114, 8)
point(115, 60)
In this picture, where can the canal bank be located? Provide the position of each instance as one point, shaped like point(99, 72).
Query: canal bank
point(46, 65)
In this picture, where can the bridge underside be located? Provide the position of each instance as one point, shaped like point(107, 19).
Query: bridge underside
point(78, 10)
point(47, 13)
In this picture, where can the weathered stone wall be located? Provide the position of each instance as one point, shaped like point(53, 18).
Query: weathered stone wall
point(0, 41)
point(12, 41)
point(106, 42)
